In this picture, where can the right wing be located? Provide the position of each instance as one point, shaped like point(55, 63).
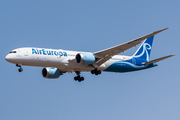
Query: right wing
point(105, 55)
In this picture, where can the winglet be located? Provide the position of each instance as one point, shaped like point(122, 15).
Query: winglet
point(157, 60)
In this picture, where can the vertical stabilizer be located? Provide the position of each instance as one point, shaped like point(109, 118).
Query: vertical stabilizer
point(144, 50)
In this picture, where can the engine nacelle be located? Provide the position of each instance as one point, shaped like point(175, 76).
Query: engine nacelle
point(85, 58)
point(51, 72)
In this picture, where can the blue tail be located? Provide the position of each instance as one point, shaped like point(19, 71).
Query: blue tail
point(144, 50)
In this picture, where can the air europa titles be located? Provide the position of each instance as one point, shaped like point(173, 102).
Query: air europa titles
point(48, 52)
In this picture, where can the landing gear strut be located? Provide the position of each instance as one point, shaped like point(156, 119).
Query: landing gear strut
point(95, 71)
point(78, 77)
point(19, 65)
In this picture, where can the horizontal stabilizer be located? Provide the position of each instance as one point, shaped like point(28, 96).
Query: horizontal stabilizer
point(157, 60)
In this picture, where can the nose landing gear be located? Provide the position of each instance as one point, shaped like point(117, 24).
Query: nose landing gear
point(19, 65)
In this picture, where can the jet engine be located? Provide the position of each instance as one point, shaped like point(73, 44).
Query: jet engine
point(85, 58)
point(51, 72)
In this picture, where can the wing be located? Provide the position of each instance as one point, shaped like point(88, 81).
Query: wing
point(107, 54)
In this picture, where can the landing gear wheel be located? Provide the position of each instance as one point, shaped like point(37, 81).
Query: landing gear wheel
point(75, 78)
point(95, 71)
point(20, 69)
point(92, 71)
point(78, 77)
point(99, 72)
point(82, 78)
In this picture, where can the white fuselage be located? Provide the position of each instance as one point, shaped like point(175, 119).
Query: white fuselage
point(64, 60)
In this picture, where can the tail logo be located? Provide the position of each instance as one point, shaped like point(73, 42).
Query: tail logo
point(144, 52)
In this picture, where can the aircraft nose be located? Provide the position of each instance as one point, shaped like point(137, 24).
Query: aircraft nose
point(7, 58)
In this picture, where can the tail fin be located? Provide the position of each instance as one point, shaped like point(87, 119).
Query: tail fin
point(144, 50)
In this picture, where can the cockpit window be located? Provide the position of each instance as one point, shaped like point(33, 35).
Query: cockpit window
point(13, 52)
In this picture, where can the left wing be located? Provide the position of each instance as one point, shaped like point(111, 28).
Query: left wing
point(107, 54)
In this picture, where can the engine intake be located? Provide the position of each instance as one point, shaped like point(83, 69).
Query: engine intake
point(85, 58)
point(51, 72)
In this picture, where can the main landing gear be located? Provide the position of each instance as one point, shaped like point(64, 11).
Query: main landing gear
point(19, 65)
point(95, 71)
point(78, 77)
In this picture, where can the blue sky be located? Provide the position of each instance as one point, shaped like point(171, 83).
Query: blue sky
point(151, 94)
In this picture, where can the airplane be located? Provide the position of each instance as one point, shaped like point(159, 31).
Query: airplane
point(56, 62)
